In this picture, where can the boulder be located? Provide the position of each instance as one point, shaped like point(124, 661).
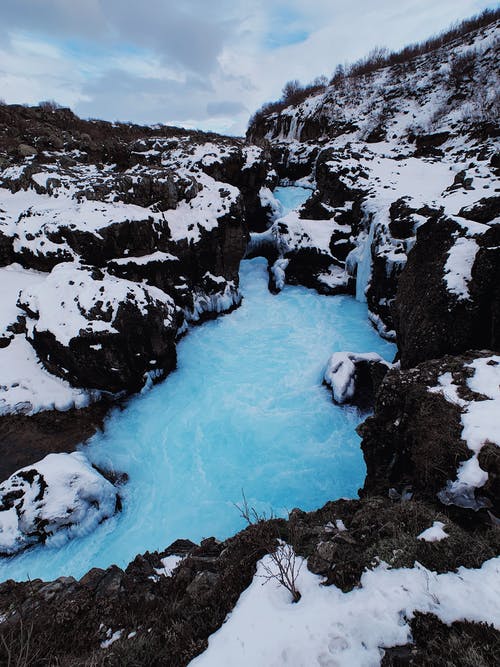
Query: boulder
point(59, 497)
point(25, 150)
point(98, 331)
point(355, 377)
point(485, 210)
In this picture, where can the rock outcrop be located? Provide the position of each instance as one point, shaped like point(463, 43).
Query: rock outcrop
point(132, 231)
point(430, 428)
point(448, 296)
point(58, 497)
point(355, 377)
point(100, 332)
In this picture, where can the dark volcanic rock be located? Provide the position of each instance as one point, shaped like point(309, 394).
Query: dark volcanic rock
point(24, 439)
point(139, 237)
point(432, 321)
point(101, 332)
point(427, 144)
point(485, 210)
point(414, 439)
point(6, 249)
point(166, 620)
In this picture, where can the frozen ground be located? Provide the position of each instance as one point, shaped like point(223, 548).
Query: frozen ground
point(245, 410)
point(329, 628)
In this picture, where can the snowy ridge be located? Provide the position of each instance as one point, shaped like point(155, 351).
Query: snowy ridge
point(387, 152)
point(415, 97)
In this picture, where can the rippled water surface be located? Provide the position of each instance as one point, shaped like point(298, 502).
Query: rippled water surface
point(245, 409)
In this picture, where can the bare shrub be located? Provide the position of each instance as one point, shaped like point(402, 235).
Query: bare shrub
point(377, 59)
point(482, 107)
point(49, 105)
point(17, 647)
point(284, 566)
point(290, 89)
point(462, 69)
point(284, 569)
point(439, 113)
point(250, 514)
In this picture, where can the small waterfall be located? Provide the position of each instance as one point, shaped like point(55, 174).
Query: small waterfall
point(364, 257)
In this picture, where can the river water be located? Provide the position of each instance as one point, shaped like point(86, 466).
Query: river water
point(244, 411)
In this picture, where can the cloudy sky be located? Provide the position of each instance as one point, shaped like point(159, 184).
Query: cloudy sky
point(197, 63)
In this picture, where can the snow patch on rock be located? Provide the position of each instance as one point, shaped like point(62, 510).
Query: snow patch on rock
point(433, 534)
point(458, 267)
point(340, 373)
point(328, 627)
point(72, 300)
point(57, 498)
point(480, 426)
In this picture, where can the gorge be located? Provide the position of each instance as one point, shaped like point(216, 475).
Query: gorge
point(192, 293)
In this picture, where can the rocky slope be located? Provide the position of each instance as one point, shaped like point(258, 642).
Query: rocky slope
point(150, 226)
point(384, 153)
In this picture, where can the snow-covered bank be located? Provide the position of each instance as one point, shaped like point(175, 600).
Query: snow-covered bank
point(328, 627)
point(480, 417)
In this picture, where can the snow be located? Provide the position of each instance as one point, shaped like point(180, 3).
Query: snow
point(252, 155)
point(202, 213)
point(328, 627)
point(59, 497)
point(27, 388)
point(340, 373)
point(295, 233)
point(278, 269)
point(433, 534)
point(157, 256)
point(32, 215)
point(458, 267)
point(268, 200)
point(42, 177)
point(335, 277)
point(169, 563)
point(339, 524)
point(480, 426)
point(213, 302)
point(71, 300)
point(13, 279)
point(364, 264)
point(112, 638)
